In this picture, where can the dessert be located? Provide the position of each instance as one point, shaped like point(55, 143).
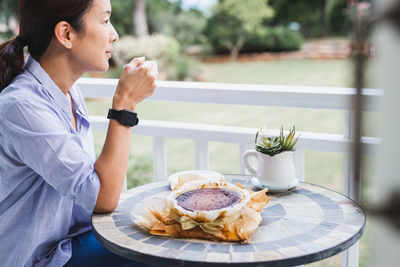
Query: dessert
point(207, 199)
point(207, 210)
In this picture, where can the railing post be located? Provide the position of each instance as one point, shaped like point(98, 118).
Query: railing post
point(299, 164)
point(201, 153)
point(347, 157)
point(349, 256)
point(160, 158)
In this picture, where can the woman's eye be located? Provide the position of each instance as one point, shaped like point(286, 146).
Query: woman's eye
point(107, 21)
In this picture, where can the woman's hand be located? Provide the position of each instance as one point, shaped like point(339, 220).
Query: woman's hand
point(135, 84)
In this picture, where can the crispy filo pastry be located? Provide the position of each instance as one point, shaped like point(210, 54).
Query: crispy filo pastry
point(239, 229)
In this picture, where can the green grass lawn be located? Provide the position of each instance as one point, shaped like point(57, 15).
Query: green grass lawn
point(336, 73)
point(321, 168)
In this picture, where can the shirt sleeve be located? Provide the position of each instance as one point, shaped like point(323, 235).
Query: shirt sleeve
point(38, 138)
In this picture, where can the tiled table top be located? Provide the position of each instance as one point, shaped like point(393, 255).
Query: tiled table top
point(306, 224)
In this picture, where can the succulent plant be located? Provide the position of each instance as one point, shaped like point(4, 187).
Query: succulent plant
point(272, 145)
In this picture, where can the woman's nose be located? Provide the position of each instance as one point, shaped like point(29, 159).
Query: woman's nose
point(114, 35)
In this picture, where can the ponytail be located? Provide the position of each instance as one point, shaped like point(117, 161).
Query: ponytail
point(11, 61)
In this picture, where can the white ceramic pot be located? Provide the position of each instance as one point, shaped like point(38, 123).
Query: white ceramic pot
point(275, 171)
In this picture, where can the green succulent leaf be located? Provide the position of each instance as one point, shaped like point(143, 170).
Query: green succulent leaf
point(293, 144)
point(272, 145)
point(288, 141)
point(281, 137)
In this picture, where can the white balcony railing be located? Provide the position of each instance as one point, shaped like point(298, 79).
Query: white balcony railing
point(252, 95)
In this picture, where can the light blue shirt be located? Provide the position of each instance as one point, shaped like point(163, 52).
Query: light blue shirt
point(48, 185)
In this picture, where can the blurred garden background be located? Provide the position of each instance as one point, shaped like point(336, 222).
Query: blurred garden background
point(271, 42)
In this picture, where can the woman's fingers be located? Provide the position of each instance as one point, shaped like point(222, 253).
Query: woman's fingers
point(137, 61)
point(134, 63)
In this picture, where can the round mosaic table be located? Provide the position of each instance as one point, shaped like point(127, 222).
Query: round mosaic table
point(306, 224)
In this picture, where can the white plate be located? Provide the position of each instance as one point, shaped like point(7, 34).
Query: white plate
point(273, 189)
point(203, 174)
point(206, 173)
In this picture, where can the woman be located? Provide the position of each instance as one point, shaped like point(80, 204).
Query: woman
point(50, 181)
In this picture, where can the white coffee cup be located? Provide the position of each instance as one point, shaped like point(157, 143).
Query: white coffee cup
point(275, 171)
point(152, 66)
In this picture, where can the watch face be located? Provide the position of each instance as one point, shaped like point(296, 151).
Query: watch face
point(128, 118)
point(124, 117)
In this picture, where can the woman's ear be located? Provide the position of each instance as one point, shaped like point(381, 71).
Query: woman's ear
point(63, 33)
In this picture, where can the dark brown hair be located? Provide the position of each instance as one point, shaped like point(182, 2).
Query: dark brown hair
point(37, 21)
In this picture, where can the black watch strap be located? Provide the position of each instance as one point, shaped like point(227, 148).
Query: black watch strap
point(124, 117)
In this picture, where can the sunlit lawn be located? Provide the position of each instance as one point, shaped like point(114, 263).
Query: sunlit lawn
point(321, 168)
point(335, 73)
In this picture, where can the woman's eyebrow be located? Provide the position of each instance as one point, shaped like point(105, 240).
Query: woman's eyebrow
point(108, 12)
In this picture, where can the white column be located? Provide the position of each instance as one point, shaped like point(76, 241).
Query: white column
point(387, 238)
point(201, 153)
point(160, 158)
point(347, 157)
point(299, 164)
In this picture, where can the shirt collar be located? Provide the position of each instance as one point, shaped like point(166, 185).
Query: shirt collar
point(32, 66)
point(76, 98)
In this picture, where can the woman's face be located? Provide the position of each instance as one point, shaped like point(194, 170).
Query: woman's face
point(93, 49)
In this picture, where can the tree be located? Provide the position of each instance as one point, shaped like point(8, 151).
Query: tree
point(162, 15)
point(121, 17)
point(188, 27)
point(337, 17)
point(139, 18)
point(316, 17)
point(168, 17)
point(322, 18)
point(304, 12)
point(233, 20)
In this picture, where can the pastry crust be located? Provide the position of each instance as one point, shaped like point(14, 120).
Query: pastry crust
point(235, 223)
point(179, 179)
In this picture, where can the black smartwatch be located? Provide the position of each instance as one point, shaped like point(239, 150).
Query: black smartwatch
point(124, 117)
